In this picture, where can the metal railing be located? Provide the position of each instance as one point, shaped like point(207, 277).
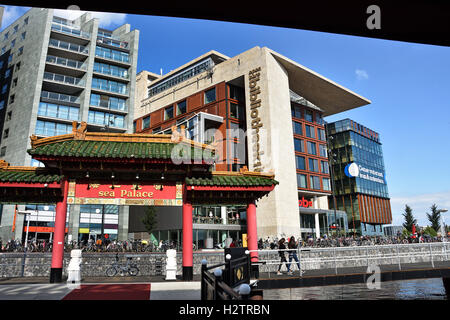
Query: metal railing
point(341, 257)
point(70, 30)
point(68, 46)
point(66, 62)
point(59, 97)
point(63, 79)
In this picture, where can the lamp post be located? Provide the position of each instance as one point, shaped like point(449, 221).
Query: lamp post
point(331, 161)
point(443, 231)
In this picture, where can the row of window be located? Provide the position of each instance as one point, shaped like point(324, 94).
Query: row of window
point(313, 165)
point(106, 119)
point(112, 54)
point(300, 112)
point(314, 182)
point(311, 147)
point(15, 29)
point(183, 76)
point(181, 108)
point(13, 42)
point(110, 70)
point(58, 111)
point(109, 85)
point(48, 128)
point(310, 131)
point(112, 103)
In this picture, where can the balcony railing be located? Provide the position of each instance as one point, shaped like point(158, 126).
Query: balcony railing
point(111, 72)
point(68, 46)
point(59, 97)
point(71, 31)
point(110, 105)
point(110, 87)
point(112, 56)
point(66, 62)
point(63, 79)
point(113, 41)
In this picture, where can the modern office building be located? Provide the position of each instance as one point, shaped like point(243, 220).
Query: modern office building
point(359, 179)
point(262, 111)
point(55, 71)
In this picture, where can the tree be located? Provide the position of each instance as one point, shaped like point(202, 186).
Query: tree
point(430, 231)
point(435, 217)
point(409, 219)
point(149, 219)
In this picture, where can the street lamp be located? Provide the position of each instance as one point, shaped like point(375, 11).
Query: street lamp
point(443, 231)
point(331, 161)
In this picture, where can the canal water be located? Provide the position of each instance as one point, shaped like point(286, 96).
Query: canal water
point(421, 289)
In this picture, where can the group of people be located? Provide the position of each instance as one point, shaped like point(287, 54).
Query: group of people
point(292, 246)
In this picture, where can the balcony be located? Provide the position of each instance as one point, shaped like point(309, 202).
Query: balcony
point(110, 106)
point(113, 56)
point(60, 97)
point(110, 87)
point(112, 41)
point(66, 62)
point(70, 31)
point(64, 79)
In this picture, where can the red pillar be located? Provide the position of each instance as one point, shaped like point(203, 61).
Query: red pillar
point(187, 242)
point(252, 236)
point(58, 236)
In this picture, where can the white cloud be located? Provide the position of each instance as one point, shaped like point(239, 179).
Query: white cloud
point(361, 74)
point(106, 19)
point(11, 14)
point(420, 205)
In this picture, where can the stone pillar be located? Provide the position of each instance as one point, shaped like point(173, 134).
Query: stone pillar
point(74, 221)
point(187, 242)
point(58, 237)
point(317, 224)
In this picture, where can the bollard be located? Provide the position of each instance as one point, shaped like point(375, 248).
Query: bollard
point(171, 265)
point(74, 270)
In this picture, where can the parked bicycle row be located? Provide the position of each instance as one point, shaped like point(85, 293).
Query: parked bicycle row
point(273, 242)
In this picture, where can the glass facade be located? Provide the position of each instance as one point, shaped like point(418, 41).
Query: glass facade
point(359, 180)
point(97, 220)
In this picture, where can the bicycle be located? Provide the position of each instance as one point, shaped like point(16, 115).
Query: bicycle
point(129, 267)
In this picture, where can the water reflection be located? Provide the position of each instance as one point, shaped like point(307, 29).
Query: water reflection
point(423, 289)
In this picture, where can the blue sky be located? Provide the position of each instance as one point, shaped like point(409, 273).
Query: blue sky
point(407, 83)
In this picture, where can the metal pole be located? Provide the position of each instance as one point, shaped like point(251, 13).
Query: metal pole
point(26, 245)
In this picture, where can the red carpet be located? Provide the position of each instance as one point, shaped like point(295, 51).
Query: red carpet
point(110, 292)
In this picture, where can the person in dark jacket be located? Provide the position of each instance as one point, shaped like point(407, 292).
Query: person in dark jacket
point(282, 253)
point(292, 244)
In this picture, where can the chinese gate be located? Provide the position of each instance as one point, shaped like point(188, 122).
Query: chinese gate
point(130, 169)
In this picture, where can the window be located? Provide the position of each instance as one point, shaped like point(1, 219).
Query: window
point(18, 66)
point(308, 115)
point(2, 151)
point(319, 118)
point(301, 181)
point(236, 111)
point(181, 107)
point(311, 147)
point(168, 113)
point(146, 122)
point(134, 126)
point(297, 126)
point(321, 134)
point(106, 119)
point(210, 95)
point(7, 73)
point(298, 145)
point(6, 133)
point(8, 115)
point(310, 133)
point(4, 88)
point(20, 51)
point(16, 28)
point(296, 111)
point(314, 182)
point(25, 21)
point(236, 93)
point(323, 150)
point(300, 163)
point(2, 104)
point(3, 51)
point(13, 43)
point(326, 184)
point(6, 36)
point(10, 58)
point(324, 168)
point(23, 35)
point(14, 83)
point(12, 98)
point(313, 165)
point(58, 111)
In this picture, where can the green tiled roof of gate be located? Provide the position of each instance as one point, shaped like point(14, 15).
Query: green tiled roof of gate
point(115, 149)
point(31, 176)
point(231, 180)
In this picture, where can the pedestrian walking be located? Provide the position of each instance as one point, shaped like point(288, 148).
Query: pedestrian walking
point(281, 252)
point(293, 245)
